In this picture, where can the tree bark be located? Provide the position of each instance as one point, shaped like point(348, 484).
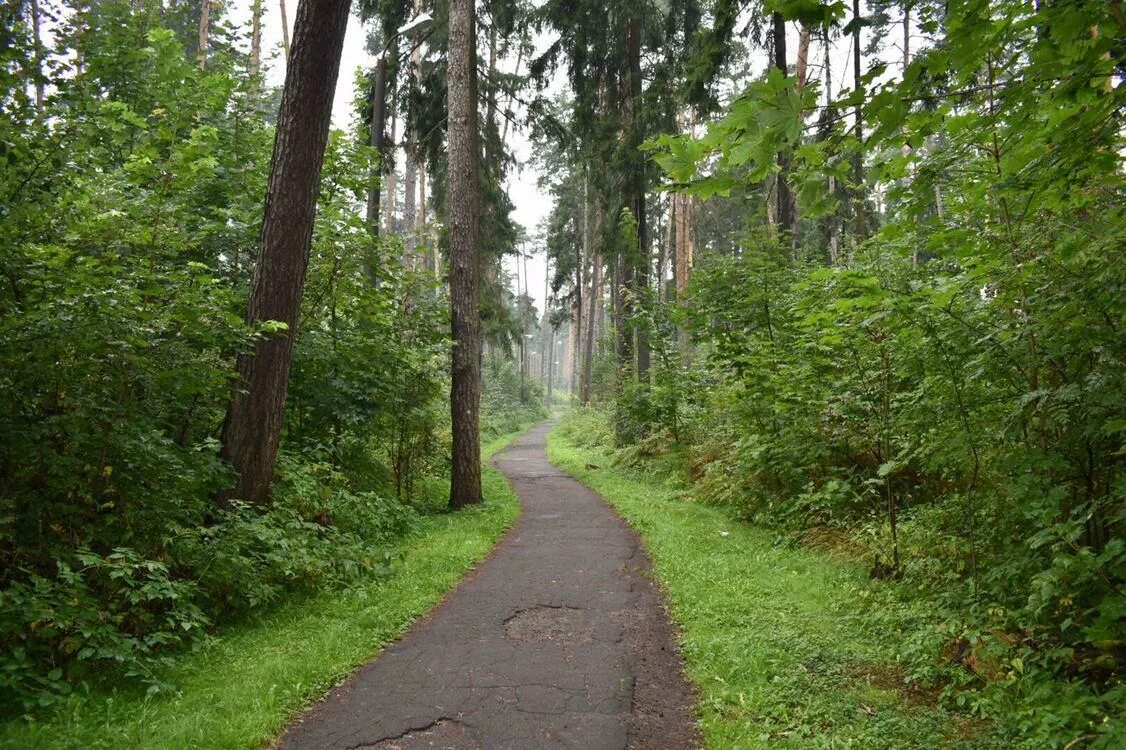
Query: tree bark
point(204, 32)
point(465, 391)
point(831, 219)
point(392, 178)
point(592, 312)
point(640, 271)
point(252, 429)
point(256, 37)
point(785, 209)
point(285, 28)
point(37, 53)
point(860, 223)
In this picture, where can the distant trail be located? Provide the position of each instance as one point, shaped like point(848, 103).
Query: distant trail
point(557, 640)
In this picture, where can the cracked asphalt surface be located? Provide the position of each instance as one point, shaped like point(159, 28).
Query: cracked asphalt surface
point(559, 639)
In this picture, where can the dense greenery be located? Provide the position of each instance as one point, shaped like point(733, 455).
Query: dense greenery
point(879, 312)
point(771, 632)
point(927, 368)
point(131, 206)
point(285, 658)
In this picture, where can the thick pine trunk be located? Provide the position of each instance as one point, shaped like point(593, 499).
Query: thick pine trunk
point(465, 391)
point(252, 430)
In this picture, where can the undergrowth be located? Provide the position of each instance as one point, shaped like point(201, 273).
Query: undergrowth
point(791, 646)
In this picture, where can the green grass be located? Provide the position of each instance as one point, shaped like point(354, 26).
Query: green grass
point(771, 634)
point(244, 687)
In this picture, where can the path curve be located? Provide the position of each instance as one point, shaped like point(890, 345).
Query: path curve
point(558, 640)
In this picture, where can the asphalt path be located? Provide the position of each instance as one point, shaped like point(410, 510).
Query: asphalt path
point(559, 639)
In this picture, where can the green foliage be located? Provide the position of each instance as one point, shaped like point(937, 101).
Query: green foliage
point(509, 402)
point(948, 396)
point(287, 657)
point(770, 632)
point(130, 212)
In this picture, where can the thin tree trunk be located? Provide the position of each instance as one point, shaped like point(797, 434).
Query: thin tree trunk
point(670, 241)
point(640, 270)
point(37, 53)
point(256, 37)
point(784, 213)
point(546, 321)
point(252, 429)
point(802, 65)
point(204, 32)
point(392, 178)
point(285, 28)
point(465, 321)
point(860, 230)
point(834, 231)
point(685, 245)
point(595, 293)
point(551, 368)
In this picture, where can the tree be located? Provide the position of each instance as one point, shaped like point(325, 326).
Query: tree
point(252, 429)
point(465, 317)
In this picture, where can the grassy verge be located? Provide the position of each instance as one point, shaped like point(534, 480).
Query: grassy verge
point(242, 689)
point(771, 634)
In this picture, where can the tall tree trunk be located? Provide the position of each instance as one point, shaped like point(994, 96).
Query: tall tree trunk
point(860, 227)
point(252, 429)
point(831, 219)
point(204, 32)
point(685, 244)
point(37, 54)
point(592, 311)
point(670, 240)
point(256, 37)
point(551, 367)
point(465, 390)
point(285, 28)
point(784, 213)
point(801, 68)
point(640, 271)
point(392, 177)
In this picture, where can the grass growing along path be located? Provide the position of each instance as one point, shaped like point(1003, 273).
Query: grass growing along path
point(770, 633)
point(243, 688)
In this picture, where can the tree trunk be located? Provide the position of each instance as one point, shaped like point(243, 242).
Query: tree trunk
point(640, 271)
point(252, 429)
point(410, 245)
point(204, 32)
point(37, 53)
point(256, 37)
point(802, 66)
point(595, 294)
point(465, 391)
point(685, 244)
point(784, 213)
point(860, 228)
point(285, 28)
point(831, 219)
point(551, 368)
point(392, 178)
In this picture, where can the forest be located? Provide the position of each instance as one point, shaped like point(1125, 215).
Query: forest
point(847, 276)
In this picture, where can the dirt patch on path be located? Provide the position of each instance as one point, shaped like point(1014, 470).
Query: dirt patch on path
point(558, 640)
